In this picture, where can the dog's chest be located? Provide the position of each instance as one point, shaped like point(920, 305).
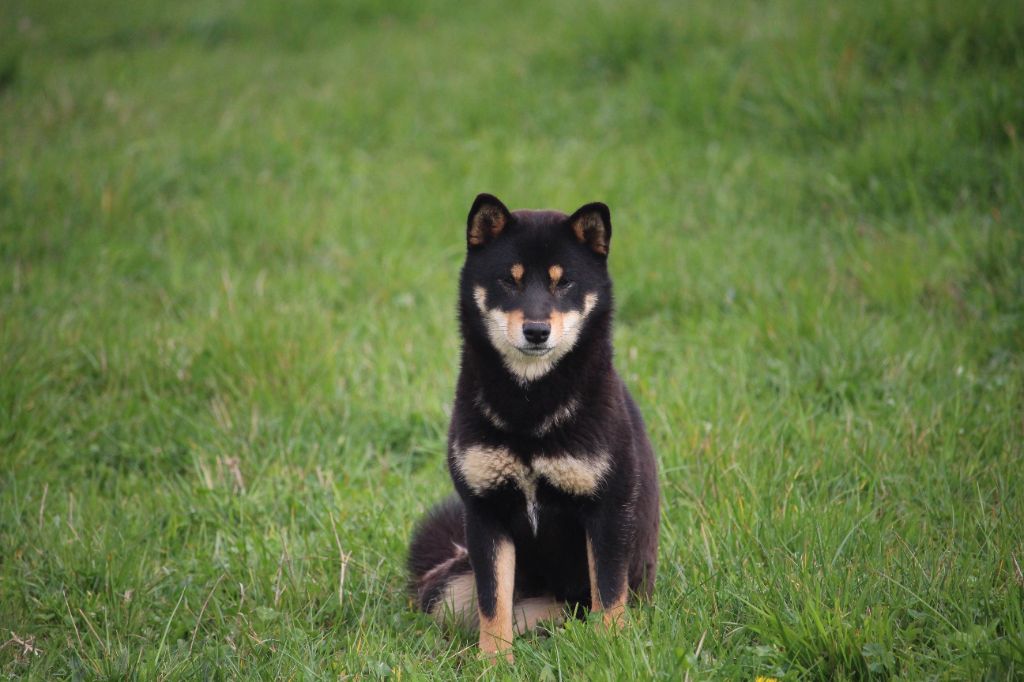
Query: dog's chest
point(486, 468)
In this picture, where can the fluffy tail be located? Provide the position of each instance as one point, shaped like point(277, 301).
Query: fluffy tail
point(441, 577)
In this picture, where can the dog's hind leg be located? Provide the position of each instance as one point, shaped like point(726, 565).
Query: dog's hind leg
point(442, 580)
point(457, 606)
point(528, 613)
point(457, 603)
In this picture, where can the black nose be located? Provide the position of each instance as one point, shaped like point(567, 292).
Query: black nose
point(536, 332)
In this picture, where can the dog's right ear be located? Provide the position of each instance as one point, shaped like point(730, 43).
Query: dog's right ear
point(487, 218)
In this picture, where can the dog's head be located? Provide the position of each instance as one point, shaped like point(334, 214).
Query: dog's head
point(533, 279)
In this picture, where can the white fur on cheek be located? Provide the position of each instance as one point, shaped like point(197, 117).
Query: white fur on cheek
point(524, 367)
point(572, 321)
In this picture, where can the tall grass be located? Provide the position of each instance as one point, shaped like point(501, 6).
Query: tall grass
point(229, 237)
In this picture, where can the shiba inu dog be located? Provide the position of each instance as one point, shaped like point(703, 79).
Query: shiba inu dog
point(556, 509)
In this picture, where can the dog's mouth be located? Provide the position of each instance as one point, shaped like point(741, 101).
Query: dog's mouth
point(535, 351)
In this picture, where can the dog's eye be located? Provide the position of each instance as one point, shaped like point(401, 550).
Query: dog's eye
point(508, 283)
point(565, 284)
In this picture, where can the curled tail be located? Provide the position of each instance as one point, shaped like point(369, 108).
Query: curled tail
point(441, 577)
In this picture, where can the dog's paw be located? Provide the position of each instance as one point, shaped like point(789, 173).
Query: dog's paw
point(611, 620)
point(494, 649)
point(495, 657)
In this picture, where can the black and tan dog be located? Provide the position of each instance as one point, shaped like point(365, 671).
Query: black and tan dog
point(557, 507)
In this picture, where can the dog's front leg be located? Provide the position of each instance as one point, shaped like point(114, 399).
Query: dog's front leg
point(608, 540)
point(493, 557)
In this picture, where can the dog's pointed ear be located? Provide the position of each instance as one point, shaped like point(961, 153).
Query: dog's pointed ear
point(592, 225)
point(487, 218)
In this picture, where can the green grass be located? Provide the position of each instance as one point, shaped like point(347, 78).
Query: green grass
point(229, 238)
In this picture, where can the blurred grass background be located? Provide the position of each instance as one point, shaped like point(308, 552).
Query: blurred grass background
point(229, 238)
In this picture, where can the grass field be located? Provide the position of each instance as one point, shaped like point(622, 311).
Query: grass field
point(229, 239)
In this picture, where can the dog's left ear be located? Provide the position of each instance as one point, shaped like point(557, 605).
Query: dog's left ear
point(592, 225)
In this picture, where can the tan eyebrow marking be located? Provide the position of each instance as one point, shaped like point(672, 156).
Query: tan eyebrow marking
point(517, 272)
point(555, 272)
